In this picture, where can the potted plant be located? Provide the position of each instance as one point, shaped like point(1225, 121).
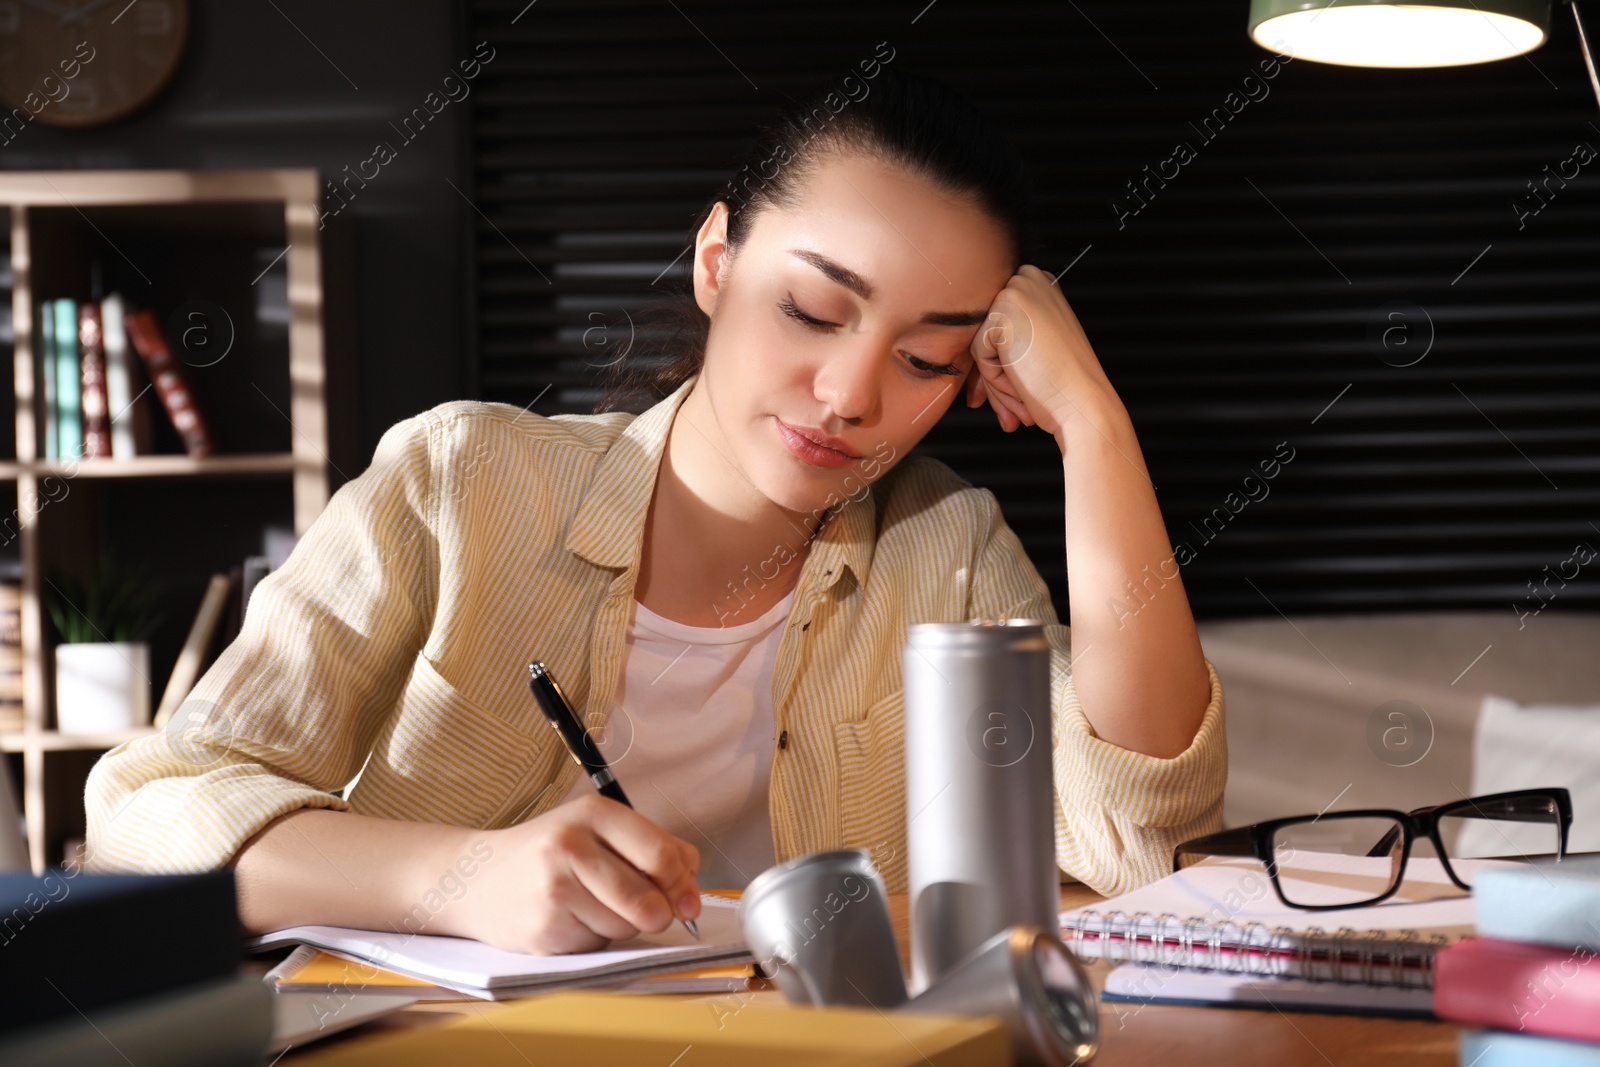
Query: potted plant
point(103, 661)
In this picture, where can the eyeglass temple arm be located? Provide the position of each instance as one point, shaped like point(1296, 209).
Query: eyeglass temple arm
point(1237, 842)
point(1386, 842)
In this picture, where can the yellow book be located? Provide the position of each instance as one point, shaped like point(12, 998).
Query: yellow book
point(572, 1029)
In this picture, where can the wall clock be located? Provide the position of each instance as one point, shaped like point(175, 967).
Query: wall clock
point(86, 62)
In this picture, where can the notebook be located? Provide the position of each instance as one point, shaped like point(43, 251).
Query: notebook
point(1224, 916)
point(488, 973)
point(311, 970)
point(1137, 983)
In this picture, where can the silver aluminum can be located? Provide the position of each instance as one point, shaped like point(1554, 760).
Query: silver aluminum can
point(820, 925)
point(1036, 986)
point(980, 795)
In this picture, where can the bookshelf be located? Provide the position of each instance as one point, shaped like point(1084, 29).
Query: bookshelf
point(245, 241)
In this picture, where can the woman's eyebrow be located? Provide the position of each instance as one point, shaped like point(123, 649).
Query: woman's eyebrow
point(858, 285)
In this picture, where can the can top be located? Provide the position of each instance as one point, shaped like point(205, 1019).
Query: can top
point(834, 862)
point(1019, 634)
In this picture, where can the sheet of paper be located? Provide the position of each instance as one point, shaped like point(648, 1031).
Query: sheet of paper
point(464, 963)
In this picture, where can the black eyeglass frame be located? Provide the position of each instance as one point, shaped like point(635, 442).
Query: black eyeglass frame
point(1255, 840)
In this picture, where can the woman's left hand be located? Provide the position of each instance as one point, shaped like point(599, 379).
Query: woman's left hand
point(1033, 363)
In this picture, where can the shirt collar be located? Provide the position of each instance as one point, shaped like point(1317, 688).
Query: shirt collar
point(608, 529)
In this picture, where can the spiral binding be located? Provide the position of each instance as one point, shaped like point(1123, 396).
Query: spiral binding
point(1374, 957)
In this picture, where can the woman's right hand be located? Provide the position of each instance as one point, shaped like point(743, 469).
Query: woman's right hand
point(585, 873)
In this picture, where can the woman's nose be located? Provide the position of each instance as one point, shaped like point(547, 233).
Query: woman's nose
point(848, 384)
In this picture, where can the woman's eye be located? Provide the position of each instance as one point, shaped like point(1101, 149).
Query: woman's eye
point(788, 308)
point(921, 366)
point(931, 368)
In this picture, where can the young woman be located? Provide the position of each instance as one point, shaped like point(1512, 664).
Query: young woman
point(722, 585)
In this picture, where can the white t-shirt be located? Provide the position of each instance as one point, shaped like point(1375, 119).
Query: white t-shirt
point(691, 736)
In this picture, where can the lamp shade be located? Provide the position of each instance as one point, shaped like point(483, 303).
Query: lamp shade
point(1375, 33)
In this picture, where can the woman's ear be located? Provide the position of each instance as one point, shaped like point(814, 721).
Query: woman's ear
point(710, 253)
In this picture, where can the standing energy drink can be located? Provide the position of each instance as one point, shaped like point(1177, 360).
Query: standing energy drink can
point(980, 795)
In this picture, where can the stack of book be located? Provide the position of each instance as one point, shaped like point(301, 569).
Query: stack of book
point(1529, 984)
point(91, 391)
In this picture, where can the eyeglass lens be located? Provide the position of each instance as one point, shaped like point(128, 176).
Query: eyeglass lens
point(1515, 828)
point(1338, 861)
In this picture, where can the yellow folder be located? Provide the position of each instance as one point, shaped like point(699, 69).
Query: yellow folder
point(569, 1029)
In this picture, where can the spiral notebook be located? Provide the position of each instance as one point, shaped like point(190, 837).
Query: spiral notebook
point(1223, 916)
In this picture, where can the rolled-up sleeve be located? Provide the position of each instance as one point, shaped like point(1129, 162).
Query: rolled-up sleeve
point(292, 706)
point(1119, 812)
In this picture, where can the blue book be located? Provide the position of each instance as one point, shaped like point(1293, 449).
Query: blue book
point(69, 380)
point(44, 359)
point(1548, 903)
point(1501, 1048)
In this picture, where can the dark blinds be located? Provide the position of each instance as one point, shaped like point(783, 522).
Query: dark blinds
point(1377, 287)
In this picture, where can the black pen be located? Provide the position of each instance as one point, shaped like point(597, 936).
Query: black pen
point(553, 702)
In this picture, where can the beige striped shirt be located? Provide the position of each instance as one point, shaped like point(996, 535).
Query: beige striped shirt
point(390, 651)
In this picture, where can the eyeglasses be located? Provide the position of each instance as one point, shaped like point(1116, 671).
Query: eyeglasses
point(1345, 859)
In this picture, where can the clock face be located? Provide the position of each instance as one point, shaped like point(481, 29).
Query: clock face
point(85, 62)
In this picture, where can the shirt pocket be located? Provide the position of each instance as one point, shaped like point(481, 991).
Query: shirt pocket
point(449, 759)
point(871, 762)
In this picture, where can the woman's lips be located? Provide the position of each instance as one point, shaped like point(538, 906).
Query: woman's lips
point(818, 455)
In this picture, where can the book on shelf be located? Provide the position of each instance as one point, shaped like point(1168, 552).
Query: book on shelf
point(120, 393)
point(170, 381)
point(44, 361)
point(11, 718)
point(92, 355)
point(243, 577)
point(232, 613)
point(191, 658)
point(69, 406)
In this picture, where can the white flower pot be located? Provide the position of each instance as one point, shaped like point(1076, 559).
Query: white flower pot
point(102, 685)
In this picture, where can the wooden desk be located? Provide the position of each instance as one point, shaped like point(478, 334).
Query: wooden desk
point(1143, 1035)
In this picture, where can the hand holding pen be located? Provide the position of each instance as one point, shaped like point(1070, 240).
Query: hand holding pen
point(580, 745)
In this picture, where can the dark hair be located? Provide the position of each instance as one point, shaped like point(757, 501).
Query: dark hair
point(906, 119)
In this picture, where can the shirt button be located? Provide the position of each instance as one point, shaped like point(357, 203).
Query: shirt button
point(783, 739)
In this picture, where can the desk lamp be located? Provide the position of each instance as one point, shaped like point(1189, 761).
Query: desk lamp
point(1438, 33)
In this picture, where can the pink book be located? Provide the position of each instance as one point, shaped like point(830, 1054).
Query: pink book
point(1514, 985)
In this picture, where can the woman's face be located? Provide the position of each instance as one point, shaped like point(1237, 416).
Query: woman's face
point(846, 317)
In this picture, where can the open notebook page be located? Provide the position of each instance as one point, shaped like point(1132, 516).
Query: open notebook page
point(464, 964)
